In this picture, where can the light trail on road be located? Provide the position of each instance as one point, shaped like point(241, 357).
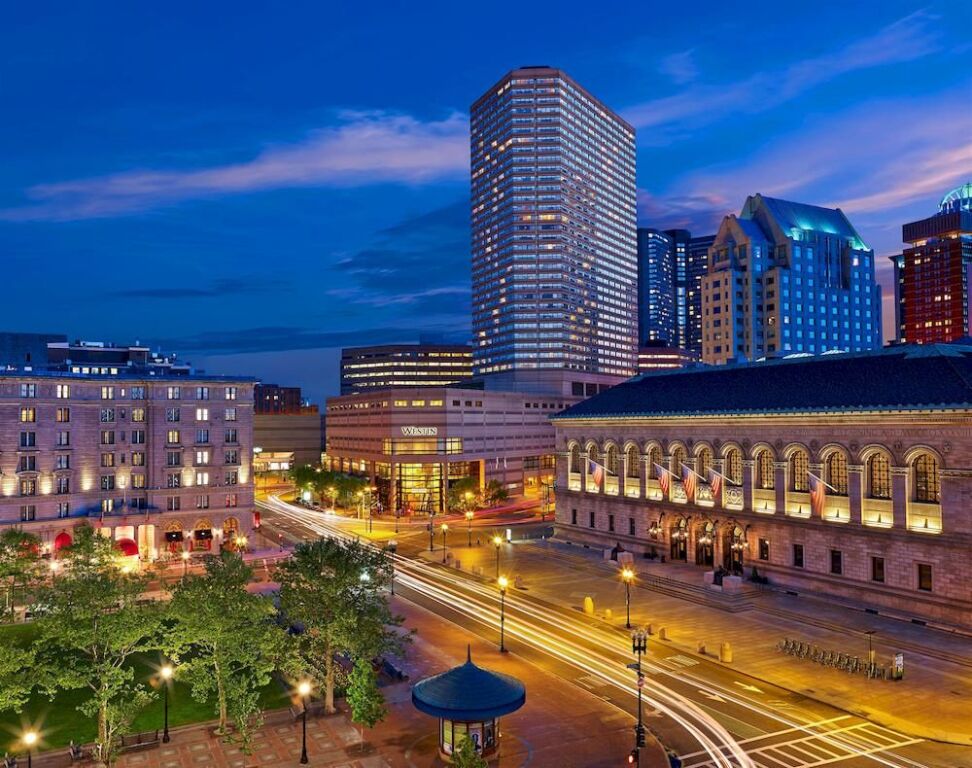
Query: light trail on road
point(601, 654)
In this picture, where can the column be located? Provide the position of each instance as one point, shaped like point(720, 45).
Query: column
point(748, 466)
point(855, 492)
point(779, 485)
point(719, 466)
point(899, 496)
point(815, 469)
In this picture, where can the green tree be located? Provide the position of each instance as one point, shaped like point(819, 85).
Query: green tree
point(463, 494)
point(335, 593)
point(365, 700)
point(466, 755)
point(495, 493)
point(16, 676)
point(93, 623)
point(19, 563)
point(224, 638)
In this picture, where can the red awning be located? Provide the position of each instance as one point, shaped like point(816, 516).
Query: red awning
point(62, 540)
point(128, 547)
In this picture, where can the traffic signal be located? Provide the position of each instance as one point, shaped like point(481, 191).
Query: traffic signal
point(633, 757)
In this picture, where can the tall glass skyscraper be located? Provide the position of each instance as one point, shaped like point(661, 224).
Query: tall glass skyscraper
point(656, 287)
point(554, 261)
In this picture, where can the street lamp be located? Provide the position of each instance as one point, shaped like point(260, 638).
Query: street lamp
point(639, 645)
point(445, 529)
point(240, 542)
point(469, 518)
point(30, 739)
point(628, 575)
point(497, 542)
point(870, 652)
point(503, 583)
point(185, 563)
point(304, 689)
point(166, 674)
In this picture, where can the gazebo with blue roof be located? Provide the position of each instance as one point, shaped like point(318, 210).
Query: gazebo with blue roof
point(469, 700)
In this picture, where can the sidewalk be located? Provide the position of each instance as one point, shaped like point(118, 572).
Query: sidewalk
point(934, 701)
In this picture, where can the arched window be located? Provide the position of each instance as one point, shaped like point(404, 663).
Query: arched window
point(574, 464)
point(703, 462)
point(678, 458)
point(611, 459)
point(631, 460)
point(799, 466)
point(654, 461)
point(879, 476)
point(592, 454)
point(733, 466)
point(764, 470)
point(835, 471)
point(925, 469)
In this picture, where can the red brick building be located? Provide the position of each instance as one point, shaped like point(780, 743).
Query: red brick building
point(845, 474)
point(932, 289)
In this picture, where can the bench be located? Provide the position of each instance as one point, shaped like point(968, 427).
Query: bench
point(136, 742)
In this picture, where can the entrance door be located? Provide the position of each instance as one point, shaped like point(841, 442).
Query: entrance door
point(704, 553)
point(679, 548)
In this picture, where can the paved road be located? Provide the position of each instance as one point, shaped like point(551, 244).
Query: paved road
point(709, 714)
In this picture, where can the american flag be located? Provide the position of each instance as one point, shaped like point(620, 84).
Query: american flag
point(595, 471)
point(664, 478)
point(688, 481)
point(715, 482)
point(818, 494)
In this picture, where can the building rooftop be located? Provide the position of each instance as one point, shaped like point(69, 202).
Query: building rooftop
point(959, 199)
point(469, 694)
point(802, 216)
point(121, 372)
point(907, 377)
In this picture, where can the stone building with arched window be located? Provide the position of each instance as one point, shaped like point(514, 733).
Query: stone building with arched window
point(723, 466)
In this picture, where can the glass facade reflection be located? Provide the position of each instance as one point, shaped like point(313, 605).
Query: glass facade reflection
point(553, 228)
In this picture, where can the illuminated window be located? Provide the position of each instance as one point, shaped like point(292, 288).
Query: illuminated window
point(799, 467)
point(703, 462)
point(879, 476)
point(631, 462)
point(733, 466)
point(836, 473)
point(925, 474)
point(28, 415)
point(764, 471)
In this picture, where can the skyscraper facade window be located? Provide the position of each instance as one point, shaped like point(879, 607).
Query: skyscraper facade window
point(554, 261)
point(656, 287)
point(932, 274)
point(786, 278)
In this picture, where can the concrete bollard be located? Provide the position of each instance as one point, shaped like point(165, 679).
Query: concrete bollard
point(589, 606)
point(458, 564)
point(608, 614)
point(725, 653)
point(650, 629)
point(662, 633)
point(700, 646)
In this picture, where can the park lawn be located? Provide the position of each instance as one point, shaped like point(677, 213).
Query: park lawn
point(60, 722)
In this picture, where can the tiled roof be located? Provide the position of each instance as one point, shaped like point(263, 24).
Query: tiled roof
point(911, 377)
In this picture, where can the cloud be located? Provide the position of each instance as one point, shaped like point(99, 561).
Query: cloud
point(215, 288)
point(680, 67)
point(700, 213)
point(363, 148)
point(279, 338)
point(883, 163)
point(907, 39)
point(420, 262)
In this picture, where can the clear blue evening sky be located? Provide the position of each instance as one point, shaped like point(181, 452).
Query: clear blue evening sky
point(256, 184)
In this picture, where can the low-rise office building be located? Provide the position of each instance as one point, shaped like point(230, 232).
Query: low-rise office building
point(845, 474)
point(297, 433)
point(365, 369)
point(415, 443)
point(160, 462)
